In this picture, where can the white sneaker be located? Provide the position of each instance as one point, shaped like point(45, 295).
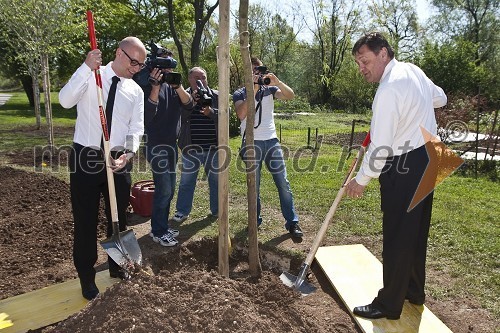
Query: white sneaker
point(174, 232)
point(166, 240)
point(179, 217)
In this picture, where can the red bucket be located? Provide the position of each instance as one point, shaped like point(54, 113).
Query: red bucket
point(141, 197)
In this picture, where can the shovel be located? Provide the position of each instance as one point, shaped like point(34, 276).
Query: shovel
point(122, 247)
point(297, 282)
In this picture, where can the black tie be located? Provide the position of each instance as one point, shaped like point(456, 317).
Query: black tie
point(111, 102)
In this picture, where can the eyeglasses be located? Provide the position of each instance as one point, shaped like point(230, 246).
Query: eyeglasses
point(133, 62)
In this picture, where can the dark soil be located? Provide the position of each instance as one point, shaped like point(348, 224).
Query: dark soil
point(178, 289)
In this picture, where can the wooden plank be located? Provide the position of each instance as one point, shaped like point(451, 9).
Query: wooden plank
point(356, 275)
point(48, 305)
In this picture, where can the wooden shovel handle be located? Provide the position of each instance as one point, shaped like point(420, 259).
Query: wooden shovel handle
point(333, 207)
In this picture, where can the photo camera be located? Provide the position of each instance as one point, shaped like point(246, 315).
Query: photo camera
point(263, 80)
point(205, 99)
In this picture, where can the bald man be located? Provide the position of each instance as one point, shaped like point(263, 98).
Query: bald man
point(87, 166)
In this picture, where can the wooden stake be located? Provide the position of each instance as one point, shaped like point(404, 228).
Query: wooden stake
point(223, 137)
point(253, 246)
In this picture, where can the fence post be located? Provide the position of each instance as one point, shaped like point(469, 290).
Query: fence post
point(316, 140)
point(308, 137)
point(280, 133)
point(352, 133)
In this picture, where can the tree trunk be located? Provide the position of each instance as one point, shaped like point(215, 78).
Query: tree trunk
point(253, 245)
point(48, 103)
point(36, 97)
point(223, 138)
point(27, 83)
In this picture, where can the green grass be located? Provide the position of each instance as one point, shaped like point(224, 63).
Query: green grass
point(464, 246)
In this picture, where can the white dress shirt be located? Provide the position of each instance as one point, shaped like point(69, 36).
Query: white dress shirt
point(127, 124)
point(404, 102)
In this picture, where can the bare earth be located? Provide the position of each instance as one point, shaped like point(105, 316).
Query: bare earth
point(178, 289)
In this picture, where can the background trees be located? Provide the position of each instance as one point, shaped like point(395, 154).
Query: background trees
point(310, 48)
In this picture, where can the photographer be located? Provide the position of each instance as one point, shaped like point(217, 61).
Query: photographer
point(162, 109)
point(198, 144)
point(267, 147)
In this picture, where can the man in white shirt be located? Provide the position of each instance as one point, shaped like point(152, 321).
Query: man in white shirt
point(87, 168)
point(398, 155)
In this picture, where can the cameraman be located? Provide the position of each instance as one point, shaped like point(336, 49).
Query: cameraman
point(162, 110)
point(198, 144)
point(267, 147)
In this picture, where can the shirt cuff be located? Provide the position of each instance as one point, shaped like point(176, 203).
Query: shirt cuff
point(362, 179)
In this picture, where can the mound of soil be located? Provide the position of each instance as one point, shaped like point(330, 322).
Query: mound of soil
point(178, 289)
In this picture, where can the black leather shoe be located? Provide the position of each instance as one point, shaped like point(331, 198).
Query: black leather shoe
point(295, 231)
point(371, 312)
point(89, 289)
point(119, 274)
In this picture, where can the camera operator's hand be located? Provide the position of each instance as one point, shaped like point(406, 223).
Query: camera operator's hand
point(94, 59)
point(274, 79)
point(155, 77)
point(206, 110)
point(195, 95)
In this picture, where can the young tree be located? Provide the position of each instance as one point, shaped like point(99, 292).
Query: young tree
point(476, 21)
point(35, 27)
point(335, 23)
point(399, 19)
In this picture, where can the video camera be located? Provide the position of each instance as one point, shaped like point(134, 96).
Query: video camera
point(205, 99)
point(157, 59)
point(263, 80)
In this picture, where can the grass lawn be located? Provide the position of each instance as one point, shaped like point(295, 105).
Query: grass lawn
point(464, 243)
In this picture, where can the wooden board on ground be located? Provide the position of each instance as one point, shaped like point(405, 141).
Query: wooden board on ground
point(49, 305)
point(356, 275)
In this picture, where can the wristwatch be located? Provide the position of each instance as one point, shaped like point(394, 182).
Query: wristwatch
point(129, 154)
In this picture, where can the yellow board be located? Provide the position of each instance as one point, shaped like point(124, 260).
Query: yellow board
point(356, 275)
point(47, 306)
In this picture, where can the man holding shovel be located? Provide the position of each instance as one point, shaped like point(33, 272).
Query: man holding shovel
point(398, 155)
point(88, 180)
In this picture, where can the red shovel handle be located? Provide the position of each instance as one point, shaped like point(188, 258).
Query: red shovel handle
point(98, 80)
point(90, 24)
point(367, 140)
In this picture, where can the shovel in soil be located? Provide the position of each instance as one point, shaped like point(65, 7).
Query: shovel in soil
point(297, 282)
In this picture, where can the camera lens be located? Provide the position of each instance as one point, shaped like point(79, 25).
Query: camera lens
point(264, 81)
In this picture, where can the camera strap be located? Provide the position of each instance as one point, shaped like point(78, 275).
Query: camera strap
point(258, 109)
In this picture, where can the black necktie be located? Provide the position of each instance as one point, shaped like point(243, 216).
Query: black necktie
point(111, 102)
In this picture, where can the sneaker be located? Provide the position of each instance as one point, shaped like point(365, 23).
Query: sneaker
point(295, 230)
point(179, 217)
point(166, 240)
point(174, 232)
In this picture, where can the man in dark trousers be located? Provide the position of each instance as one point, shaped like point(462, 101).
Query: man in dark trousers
point(198, 144)
point(125, 118)
point(403, 108)
point(164, 100)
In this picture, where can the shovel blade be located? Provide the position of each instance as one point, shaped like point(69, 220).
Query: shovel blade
point(290, 280)
point(123, 249)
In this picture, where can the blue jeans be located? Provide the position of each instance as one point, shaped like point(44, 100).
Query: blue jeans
point(163, 160)
point(270, 152)
point(191, 163)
